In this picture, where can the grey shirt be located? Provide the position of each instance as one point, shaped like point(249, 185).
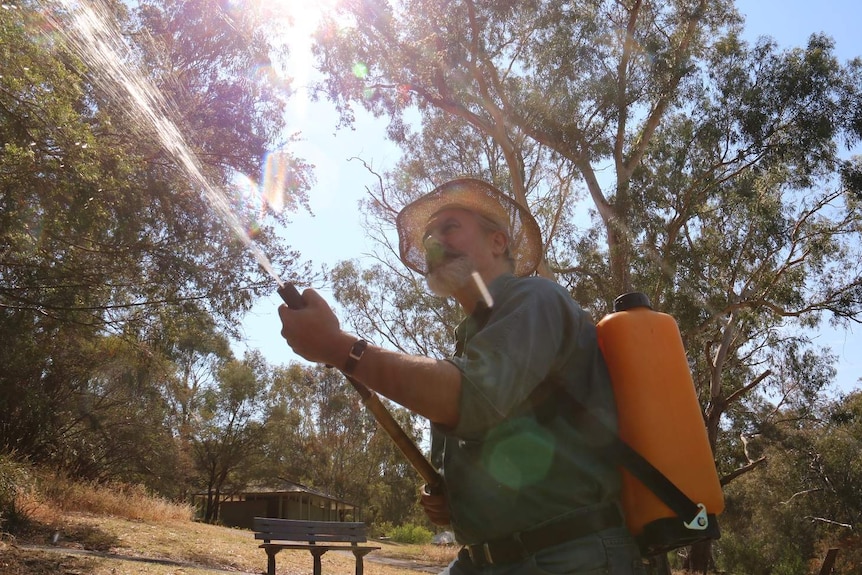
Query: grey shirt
point(517, 459)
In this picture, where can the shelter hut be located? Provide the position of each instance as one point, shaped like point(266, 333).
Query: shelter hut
point(287, 500)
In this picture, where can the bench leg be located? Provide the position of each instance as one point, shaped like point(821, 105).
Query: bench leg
point(317, 553)
point(270, 561)
point(360, 553)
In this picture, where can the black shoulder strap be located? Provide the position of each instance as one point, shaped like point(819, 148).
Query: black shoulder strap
point(621, 453)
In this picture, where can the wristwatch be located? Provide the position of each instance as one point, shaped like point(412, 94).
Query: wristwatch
point(355, 355)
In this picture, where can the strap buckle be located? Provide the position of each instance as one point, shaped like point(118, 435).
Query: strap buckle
point(355, 354)
point(700, 521)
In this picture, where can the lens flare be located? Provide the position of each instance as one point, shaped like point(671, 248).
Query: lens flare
point(276, 175)
point(360, 70)
point(279, 179)
point(522, 459)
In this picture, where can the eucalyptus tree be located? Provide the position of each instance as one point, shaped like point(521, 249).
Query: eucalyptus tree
point(103, 232)
point(226, 436)
point(807, 500)
point(712, 168)
point(319, 433)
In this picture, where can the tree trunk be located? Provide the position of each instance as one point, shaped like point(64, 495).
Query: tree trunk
point(658, 565)
point(208, 513)
point(699, 557)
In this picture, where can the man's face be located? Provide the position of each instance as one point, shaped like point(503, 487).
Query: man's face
point(455, 246)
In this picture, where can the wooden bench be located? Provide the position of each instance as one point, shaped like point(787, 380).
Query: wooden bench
point(316, 536)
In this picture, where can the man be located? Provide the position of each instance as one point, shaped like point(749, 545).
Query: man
point(526, 488)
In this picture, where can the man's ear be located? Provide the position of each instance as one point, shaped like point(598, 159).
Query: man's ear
point(499, 243)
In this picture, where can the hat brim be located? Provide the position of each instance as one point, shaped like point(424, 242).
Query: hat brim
point(525, 238)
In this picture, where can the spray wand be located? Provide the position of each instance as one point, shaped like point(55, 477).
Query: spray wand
point(370, 399)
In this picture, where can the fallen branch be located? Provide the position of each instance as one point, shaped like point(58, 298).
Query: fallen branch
point(807, 491)
point(829, 521)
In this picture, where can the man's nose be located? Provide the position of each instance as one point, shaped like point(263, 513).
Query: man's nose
point(434, 249)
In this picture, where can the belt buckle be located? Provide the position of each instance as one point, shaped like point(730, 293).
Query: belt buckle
point(484, 558)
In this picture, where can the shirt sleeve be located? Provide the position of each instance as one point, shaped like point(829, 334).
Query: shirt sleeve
point(519, 347)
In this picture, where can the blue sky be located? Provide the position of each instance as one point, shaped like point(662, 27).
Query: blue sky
point(334, 233)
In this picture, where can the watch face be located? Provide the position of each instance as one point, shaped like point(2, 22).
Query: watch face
point(355, 355)
point(358, 349)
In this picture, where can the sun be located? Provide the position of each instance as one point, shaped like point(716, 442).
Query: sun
point(294, 22)
point(301, 16)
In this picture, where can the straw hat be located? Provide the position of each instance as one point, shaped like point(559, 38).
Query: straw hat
point(525, 239)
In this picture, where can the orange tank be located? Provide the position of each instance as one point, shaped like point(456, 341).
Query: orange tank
point(659, 416)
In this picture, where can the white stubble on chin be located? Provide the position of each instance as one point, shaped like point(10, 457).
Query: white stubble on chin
point(446, 279)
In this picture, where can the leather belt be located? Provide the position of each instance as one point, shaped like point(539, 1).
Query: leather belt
point(521, 545)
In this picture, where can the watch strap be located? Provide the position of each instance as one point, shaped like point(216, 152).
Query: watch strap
point(356, 352)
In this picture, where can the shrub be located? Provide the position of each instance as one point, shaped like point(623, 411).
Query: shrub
point(379, 529)
point(15, 479)
point(410, 533)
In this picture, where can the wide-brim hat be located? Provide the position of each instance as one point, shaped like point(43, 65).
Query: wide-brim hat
point(525, 238)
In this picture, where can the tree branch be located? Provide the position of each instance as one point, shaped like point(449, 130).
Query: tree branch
point(741, 471)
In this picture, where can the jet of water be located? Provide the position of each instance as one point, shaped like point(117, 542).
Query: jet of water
point(96, 39)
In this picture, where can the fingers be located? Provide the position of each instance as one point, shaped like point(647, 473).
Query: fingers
point(312, 298)
point(283, 312)
point(436, 507)
point(292, 317)
point(312, 331)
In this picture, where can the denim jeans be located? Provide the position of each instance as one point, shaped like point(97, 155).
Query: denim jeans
point(609, 552)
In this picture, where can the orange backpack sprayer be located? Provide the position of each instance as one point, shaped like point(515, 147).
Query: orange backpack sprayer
point(660, 420)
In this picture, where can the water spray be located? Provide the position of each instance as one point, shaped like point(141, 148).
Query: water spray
point(101, 46)
point(99, 43)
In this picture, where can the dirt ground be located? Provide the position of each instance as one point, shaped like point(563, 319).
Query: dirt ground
point(111, 546)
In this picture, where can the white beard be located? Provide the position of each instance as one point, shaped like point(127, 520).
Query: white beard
point(444, 280)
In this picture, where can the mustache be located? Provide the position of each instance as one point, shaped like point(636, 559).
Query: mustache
point(437, 255)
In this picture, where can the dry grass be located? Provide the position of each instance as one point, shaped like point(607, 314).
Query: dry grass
point(117, 499)
point(78, 529)
point(85, 529)
point(191, 548)
point(430, 554)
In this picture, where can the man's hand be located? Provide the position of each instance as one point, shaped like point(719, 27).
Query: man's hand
point(436, 506)
point(314, 332)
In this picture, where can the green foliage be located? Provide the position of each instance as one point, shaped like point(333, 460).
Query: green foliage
point(226, 437)
point(14, 479)
point(851, 177)
point(118, 282)
point(379, 529)
point(409, 533)
point(319, 433)
point(804, 500)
